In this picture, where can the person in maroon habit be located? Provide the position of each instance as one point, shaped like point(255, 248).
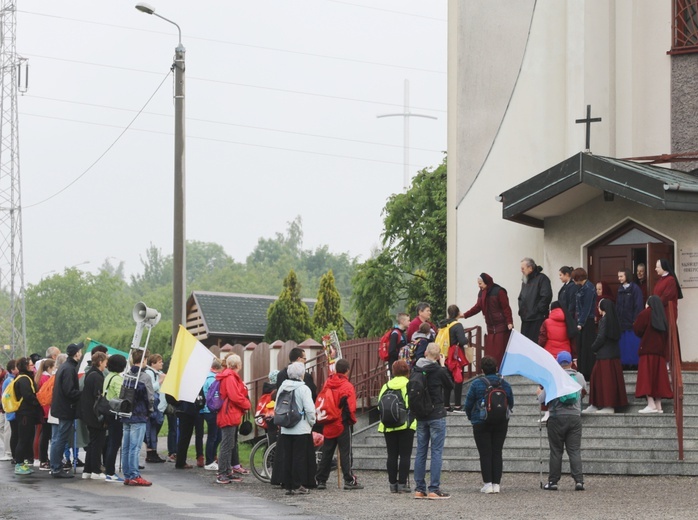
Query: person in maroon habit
point(652, 378)
point(668, 290)
point(493, 303)
point(423, 315)
point(603, 290)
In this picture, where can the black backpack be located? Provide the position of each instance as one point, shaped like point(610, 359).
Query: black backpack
point(494, 404)
point(286, 413)
point(418, 395)
point(392, 409)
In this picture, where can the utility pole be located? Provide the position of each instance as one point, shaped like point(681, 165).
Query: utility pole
point(406, 114)
point(14, 77)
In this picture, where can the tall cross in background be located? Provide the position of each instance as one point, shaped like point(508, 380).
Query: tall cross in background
point(588, 120)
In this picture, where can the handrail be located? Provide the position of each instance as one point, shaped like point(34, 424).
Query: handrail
point(676, 377)
point(368, 373)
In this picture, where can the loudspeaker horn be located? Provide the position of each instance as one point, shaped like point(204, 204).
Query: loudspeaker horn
point(141, 312)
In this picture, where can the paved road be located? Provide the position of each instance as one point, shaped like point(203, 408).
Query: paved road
point(180, 494)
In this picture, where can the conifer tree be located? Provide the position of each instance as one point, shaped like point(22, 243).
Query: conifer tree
point(288, 318)
point(327, 314)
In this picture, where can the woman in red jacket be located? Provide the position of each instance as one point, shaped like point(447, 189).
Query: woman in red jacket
point(652, 377)
point(493, 302)
point(235, 403)
point(553, 333)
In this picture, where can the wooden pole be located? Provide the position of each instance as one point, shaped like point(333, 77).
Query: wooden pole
point(339, 469)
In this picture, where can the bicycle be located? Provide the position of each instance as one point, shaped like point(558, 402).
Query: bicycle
point(262, 459)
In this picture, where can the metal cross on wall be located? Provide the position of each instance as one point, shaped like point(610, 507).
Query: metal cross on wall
point(588, 120)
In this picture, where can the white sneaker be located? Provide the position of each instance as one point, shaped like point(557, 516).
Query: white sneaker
point(495, 488)
point(6, 457)
point(98, 476)
point(647, 409)
point(86, 475)
point(211, 467)
point(590, 409)
point(37, 463)
point(487, 488)
point(543, 419)
point(608, 409)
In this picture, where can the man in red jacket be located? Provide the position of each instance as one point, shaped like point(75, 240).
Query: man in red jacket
point(338, 432)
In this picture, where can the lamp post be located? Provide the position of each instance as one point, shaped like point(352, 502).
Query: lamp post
point(179, 253)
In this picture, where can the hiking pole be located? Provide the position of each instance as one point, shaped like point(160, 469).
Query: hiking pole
point(540, 447)
point(75, 444)
point(339, 469)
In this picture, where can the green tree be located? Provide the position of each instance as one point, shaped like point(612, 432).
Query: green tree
point(289, 317)
point(412, 265)
point(62, 308)
point(327, 314)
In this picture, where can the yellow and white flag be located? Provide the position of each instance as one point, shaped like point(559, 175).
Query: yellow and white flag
point(191, 363)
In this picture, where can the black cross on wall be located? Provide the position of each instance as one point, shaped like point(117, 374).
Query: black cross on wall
point(588, 120)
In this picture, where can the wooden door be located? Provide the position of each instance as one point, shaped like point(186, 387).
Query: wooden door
point(606, 261)
point(656, 252)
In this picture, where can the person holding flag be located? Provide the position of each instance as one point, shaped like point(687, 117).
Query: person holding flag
point(565, 429)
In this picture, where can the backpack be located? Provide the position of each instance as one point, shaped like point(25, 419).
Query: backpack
point(10, 403)
point(443, 338)
point(392, 409)
point(407, 353)
point(418, 395)
point(494, 404)
point(45, 393)
point(326, 409)
point(286, 413)
point(214, 401)
point(384, 344)
point(571, 399)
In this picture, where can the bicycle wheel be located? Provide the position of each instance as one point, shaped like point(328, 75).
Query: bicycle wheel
point(269, 460)
point(257, 458)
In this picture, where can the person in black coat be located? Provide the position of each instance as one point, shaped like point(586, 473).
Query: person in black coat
point(96, 426)
point(27, 416)
point(534, 298)
point(66, 394)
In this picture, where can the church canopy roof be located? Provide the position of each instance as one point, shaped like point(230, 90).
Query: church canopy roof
point(582, 177)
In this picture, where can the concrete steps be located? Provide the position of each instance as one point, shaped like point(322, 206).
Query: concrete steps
point(624, 443)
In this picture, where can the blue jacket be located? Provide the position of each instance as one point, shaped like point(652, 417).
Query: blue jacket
point(10, 416)
point(586, 298)
point(629, 303)
point(476, 394)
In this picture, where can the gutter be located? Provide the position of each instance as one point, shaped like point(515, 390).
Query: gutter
point(680, 187)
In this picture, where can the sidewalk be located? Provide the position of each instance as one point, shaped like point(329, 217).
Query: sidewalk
point(187, 494)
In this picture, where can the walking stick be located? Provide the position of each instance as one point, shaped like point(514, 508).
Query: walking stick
point(75, 444)
point(339, 469)
point(540, 448)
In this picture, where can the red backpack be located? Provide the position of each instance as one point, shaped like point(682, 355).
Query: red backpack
point(384, 344)
point(326, 409)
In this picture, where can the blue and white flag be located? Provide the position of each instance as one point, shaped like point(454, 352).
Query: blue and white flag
point(526, 358)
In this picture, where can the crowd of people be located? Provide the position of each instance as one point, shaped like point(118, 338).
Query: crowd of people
point(591, 332)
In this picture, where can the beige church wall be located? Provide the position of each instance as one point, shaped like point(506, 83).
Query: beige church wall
point(566, 238)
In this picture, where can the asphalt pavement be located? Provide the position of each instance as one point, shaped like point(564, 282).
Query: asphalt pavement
point(187, 494)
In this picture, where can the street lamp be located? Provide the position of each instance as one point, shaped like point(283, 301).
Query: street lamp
point(179, 254)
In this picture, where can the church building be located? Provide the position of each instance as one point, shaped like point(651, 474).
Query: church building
point(573, 140)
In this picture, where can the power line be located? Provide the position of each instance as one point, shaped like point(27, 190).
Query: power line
point(237, 125)
point(212, 139)
point(248, 45)
point(105, 151)
point(387, 10)
point(235, 84)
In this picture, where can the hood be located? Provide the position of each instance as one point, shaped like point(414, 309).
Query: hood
point(420, 335)
point(398, 383)
point(557, 315)
point(336, 380)
point(228, 372)
point(290, 384)
point(426, 364)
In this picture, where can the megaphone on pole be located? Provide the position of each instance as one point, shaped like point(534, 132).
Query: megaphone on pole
point(143, 313)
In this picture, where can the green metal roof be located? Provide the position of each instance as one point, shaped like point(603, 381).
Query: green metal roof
point(231, 314)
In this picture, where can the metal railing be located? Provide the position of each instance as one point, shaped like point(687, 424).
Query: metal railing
point(676, 377)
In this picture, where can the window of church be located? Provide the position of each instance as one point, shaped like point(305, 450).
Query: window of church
point(685, 27)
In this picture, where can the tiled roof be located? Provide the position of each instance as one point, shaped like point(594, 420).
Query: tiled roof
point(231, 314)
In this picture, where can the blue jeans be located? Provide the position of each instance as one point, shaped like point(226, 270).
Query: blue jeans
point(134, 433)
point(434, 430)
point(213, 438)
point(58, 443)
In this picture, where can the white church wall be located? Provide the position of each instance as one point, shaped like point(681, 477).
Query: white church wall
point(567, 236)
point(607, 54)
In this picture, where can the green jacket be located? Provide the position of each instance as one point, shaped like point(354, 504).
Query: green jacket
point(397, 383)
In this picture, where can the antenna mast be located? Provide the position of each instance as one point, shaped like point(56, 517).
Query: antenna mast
point(14, 78)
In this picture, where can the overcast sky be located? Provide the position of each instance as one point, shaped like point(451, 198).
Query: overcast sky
point(281, 104)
